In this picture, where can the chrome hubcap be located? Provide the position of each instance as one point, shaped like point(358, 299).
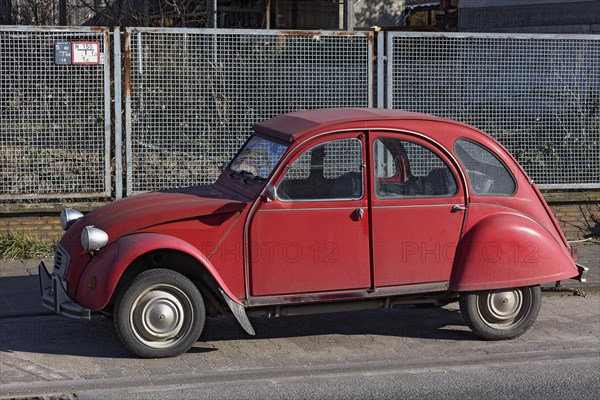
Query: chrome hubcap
point(504, 305)
point(502, 308)
point(161, 315)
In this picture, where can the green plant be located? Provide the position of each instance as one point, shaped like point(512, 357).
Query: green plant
point(20, 245)
point(579, 293)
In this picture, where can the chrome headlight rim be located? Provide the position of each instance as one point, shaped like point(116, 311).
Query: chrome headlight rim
point(68, 216)
point(93, 239)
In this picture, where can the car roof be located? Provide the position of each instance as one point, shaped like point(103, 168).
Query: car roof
point(292, 126)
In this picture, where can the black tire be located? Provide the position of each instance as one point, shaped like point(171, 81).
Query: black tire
point(159, 314)
point(501, 314)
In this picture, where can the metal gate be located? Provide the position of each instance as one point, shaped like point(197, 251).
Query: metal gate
point(539, 95)
point(194, 94)
point(55, 119)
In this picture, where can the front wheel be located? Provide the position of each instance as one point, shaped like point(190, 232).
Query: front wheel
point(501, 314)
point(159, 314)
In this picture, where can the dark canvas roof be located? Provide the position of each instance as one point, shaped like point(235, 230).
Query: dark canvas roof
point(288, 127)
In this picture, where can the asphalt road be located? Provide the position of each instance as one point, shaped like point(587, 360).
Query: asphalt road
point(406, 352)
point(513, 377)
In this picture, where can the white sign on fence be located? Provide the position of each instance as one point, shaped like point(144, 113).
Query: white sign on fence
point(86, 53)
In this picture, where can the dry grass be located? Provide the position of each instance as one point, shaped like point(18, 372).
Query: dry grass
point(19, 245)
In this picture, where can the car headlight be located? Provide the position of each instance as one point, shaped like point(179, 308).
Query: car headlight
point(93, 239)
point(68, 216)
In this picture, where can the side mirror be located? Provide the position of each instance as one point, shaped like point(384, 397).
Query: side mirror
point(270, 193)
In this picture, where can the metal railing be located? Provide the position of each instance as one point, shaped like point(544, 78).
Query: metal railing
point(55, 120)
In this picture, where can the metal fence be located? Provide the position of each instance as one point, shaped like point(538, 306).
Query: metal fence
point(54, 119)
point(539, 95)
point(192, 95)
point(195, 94)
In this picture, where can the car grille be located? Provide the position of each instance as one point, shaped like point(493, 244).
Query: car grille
point(61, 262)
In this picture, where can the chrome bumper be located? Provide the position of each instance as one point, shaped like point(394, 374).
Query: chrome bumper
point(55, 297)
point(582, 277)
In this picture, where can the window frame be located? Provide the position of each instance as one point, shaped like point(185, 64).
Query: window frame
point(308, 147)
point(493, 154)
point(457, 182)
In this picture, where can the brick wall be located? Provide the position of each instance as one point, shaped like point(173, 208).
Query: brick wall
point(576, 220)
point(44, 226)
point(40, 220)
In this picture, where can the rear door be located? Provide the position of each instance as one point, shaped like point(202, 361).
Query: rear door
point(417, 210)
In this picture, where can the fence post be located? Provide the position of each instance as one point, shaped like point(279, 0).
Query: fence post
point(389, 54)
point(381, 56)
point(127, 72)
point(118, 118)
point(107, 114)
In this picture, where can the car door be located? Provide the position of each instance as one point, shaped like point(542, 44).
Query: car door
point(417, 210)
point(314, 236)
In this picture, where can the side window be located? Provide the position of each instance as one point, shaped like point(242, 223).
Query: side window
point(407, 169)
point(329, 171)
point(486, 173)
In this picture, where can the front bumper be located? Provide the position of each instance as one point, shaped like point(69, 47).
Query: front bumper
point(56, 298)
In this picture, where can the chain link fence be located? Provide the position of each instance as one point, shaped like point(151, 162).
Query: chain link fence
point(54, 119)
point(195, 94)
point(539, 95)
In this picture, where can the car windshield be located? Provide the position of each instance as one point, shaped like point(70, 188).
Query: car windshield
point(258, 157)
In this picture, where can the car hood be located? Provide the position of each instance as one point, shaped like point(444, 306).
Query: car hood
point(138, 212)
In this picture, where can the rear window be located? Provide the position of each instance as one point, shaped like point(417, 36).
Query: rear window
point(487, 175)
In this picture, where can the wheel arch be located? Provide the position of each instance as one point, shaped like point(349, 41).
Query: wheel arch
point(181, 262)
point(113, 267)
point(506, 250)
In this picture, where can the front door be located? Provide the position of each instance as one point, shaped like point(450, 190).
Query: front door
point(314, 237)
point(417, 211)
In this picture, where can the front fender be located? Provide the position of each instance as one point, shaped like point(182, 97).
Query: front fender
point(100, 277)
point(509, 250)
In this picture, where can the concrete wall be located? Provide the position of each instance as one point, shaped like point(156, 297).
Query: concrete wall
point(529, 16)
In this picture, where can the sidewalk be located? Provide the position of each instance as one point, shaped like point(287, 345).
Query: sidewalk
point(19, 287)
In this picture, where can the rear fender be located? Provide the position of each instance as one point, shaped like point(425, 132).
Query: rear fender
point(102, 274)
point(507, 250)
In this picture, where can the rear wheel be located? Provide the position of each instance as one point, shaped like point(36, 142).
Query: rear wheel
point(159, 314)
point(503, 313)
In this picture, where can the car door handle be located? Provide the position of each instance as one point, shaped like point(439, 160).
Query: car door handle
point(458, 207)
point(359, 213)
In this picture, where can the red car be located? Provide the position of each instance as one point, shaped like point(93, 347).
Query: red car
point(320, 211)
